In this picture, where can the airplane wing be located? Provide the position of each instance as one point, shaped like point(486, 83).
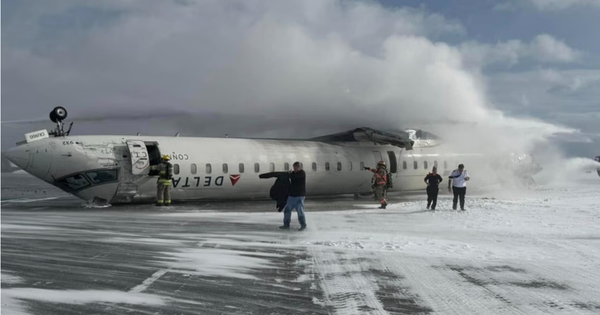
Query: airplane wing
point(400, 139)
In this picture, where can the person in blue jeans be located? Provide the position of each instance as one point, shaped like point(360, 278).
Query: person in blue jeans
point(296, 198)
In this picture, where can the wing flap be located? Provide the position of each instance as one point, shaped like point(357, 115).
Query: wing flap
point(364, 134)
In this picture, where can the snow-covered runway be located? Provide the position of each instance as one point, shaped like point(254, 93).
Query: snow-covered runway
point(534, 252)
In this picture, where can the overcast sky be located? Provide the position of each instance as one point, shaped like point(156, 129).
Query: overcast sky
point(304, 68)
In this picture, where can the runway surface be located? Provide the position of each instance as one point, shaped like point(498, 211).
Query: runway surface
point(534, 252)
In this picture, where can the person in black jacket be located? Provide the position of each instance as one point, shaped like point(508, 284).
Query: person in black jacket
point(432, 180)
point(296, 198)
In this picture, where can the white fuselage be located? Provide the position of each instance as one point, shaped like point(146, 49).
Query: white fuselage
point(116, 169)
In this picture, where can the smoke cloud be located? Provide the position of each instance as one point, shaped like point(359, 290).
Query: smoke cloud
point(260, 68)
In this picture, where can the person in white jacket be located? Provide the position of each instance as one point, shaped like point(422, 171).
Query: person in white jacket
point(458, 179)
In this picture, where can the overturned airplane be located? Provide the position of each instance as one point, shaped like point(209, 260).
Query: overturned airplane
point(117, 169)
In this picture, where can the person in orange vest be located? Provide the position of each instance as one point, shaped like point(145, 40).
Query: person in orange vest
point(380, 182)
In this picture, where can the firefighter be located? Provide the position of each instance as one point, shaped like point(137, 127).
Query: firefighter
point(165, 174)
point(380, 181)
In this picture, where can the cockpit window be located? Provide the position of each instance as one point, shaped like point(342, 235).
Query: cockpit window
point(75, 182)
point(98, 177)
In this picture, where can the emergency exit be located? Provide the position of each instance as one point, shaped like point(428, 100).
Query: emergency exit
point(140, 159)
point(393, 162)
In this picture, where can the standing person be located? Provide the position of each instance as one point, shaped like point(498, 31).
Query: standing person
point(432, 180)
point(458, 178)
point(380, 182)
point(165, 174)
point(296, 197)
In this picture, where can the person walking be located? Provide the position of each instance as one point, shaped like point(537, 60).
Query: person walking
point(458, 178)
point(432, 180)
point(296, 198)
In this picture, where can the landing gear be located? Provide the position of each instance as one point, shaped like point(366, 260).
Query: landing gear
point(57, 115)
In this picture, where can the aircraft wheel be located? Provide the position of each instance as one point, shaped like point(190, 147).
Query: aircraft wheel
point(59, 112)
point(53, 117)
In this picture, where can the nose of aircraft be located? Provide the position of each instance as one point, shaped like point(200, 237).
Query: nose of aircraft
point(19, 156)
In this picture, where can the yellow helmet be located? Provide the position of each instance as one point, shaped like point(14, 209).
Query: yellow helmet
point(166, 157)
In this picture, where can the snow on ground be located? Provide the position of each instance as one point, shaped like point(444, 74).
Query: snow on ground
point(511, 252)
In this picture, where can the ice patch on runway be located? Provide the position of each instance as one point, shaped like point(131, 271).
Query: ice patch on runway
point(24, 227)
point(10, 279)
point(218, 262)
point(29, 200)
point(75, 297)
point(145, 241)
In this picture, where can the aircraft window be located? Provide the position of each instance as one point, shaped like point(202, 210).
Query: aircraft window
point(176, 169)
point(425, 165)
point(404, 166)
point(75, 182)
point(435, 164)
point(98, 177)
point(272, 167)
point(256, 167)
point(415, 164)
point(208, 168)
point(445, 164)
point(241, 167)
point(225, 168)
point(339, 166)
point(362, 165)
point(286, 166)
point(314, 166)
point(194, 169)
point(350, 165)
point(327, 166)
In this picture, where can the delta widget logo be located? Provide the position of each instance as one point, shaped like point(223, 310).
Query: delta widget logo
point(234, 179)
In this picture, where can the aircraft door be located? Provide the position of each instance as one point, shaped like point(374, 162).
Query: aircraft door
point(393, 167)
point(140, 159)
